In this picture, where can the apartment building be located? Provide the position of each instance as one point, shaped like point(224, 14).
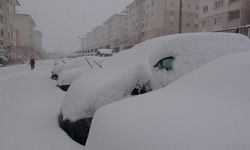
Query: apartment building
point(25, 35)
point(153, 18)
point(143, 20)
point(8, 23)
point(223, 14)
point(113, 34)
point(37, 40)
point(116, 35)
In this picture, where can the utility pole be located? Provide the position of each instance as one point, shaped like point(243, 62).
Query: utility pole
point(180, 17)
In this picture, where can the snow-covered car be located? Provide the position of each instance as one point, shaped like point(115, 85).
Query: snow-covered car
point(146, 67)
point(65, 64)
point(66, 77)
point(207, 109)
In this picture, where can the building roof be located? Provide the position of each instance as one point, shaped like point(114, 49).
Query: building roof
point(27, 16)
point(38, 32)
point(114, 16)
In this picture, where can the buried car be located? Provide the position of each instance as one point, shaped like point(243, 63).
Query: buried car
point(146, 67)
point(207, 109)
point(66, 77)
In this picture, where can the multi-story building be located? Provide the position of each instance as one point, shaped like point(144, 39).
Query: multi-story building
point(154, 18)
point(112, 35)
point(223, 14)
point(25, 39)
point(8, 23)
point(37, 40)
point(116, 35)
point(143, 20)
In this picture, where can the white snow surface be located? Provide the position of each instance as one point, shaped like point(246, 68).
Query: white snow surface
point(105, 51)
point(75, 63)
point(29, 105)
point(207, 109)
point(121, 72)
point(67, 76)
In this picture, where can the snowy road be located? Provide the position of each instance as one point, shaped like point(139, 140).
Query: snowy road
point(29, 104)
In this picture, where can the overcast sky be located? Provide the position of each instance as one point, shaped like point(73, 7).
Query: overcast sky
point(62, 21)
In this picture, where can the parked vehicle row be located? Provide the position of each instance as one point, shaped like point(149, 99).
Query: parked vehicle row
point(145, 68)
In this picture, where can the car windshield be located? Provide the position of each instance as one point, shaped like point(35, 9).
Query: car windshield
point(166, 63)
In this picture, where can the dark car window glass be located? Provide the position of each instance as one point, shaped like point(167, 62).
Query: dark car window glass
point(166, 63)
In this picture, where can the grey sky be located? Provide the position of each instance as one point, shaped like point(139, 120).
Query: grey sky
point(62, 21)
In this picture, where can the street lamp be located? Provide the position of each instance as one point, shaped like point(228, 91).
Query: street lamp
point(180, 17)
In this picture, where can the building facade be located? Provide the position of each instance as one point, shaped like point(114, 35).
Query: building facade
point(143, 20)
point(154, 18)
point(37, 41)
point(25, 35)
point(113, 34)
point(8, 23)
point(223, 14)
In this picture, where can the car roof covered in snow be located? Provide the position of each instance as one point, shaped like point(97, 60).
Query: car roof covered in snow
point(207, 109)
point(121, 72)
point(105, 51)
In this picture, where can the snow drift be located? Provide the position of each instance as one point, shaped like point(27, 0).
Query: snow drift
point(207, 109)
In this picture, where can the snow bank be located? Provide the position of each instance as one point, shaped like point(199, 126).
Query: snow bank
point(207, 109)
point(29, 105)
point(121, 72)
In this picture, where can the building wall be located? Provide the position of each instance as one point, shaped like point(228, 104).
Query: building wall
point(145, 19)
point(25, 39)
point(230, 14)
point(37, 39)
point(8, 22)
point(154, 18)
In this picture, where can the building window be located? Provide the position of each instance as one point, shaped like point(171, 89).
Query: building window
point(218, 20)
point(205, 9)
point(2, 34)
point(172, 13)
point(232, 1)
point(233, 15)
point(172, 3)
point(204, 23)
point(218, 4)
point(189, 6)
point(1, 19)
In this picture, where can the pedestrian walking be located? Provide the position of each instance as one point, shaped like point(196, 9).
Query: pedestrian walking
point(32, 63)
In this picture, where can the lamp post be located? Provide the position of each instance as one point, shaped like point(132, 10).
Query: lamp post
point(180, 17)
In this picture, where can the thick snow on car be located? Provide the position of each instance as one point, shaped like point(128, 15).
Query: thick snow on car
point(66, 77)
point(207, 109)
point(146, 67)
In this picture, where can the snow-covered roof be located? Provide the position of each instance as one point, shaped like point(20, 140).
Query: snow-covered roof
point(122, 71)
point(105, 51)
point(207, 109)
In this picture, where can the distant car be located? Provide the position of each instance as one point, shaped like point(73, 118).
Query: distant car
point(207, 109)
point(146, 67)
point(66, 77)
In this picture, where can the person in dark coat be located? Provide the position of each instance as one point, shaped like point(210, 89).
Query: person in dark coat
point(32, 63)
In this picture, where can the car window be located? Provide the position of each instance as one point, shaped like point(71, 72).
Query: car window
point(165, 63)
